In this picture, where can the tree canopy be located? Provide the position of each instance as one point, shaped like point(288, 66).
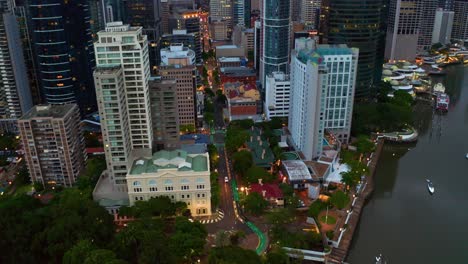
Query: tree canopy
point(254, 173)
point(242, 161)
point(254, 203)
point(233, 255)
point(339, 199)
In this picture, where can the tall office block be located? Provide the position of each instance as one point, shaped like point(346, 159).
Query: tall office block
point(322, 91)
point(20, 11)
point(63, 51)
point(15, 92)
point(164, 112)
point(124, 46)
point(358, 24)
point(53, 144)
point(189, 20)
point(178, 65)
point(276, 25)
point(188, 39)
point(241, 12)
point(443, 24)
point(307, 104)
point(277, 95)
point(115, 125)
point(221, 10)
point(460, 20)
point(428, 14)
point(341, 63)
point(310, 13)
point(296, 6)
point(258, 37)
point(146, 14)
point(410, 26)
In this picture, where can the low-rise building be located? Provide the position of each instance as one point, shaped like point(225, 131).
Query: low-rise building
point(180, 176)
point(243, 75)
point(270, 192)
point(231, 62)
point(219, 30)
point(277, 93)
point(229, 51)
point(243, 100)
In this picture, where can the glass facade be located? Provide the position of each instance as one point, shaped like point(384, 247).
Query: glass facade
point(276, 28)
point(64, 52)
point(359, 24)
point(146, 14)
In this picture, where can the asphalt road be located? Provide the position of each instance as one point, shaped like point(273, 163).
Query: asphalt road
point(230, 221)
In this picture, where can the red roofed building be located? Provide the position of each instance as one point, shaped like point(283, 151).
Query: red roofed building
point(270, 192)
point(95, 151)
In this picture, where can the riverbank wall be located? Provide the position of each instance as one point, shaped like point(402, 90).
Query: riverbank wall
point(339, 254)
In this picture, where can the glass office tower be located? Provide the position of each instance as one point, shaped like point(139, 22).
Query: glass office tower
point(276, 23)
point(64, 52)
point(146, 14)
point(358, 24)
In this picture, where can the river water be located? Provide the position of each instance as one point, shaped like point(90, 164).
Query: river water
point(402, 221)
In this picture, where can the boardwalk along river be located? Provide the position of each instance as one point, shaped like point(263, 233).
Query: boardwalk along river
point(402, 220)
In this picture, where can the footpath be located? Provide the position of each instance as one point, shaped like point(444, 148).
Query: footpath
point(339, 254)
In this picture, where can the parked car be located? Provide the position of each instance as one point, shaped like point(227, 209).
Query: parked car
point(226, 179)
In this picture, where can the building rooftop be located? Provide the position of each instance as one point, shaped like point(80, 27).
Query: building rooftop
point(270, 190)
point(339, 49)
point(319, 170)
point(176, 159)
point(107, 194)
point(197, 148)
point(229, 59)
point(237, 71)
point(297, 170)
point(260, 148)
point(227, 47)
point(48, 111)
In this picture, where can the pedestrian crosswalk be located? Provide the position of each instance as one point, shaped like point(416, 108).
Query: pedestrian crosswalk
point(218, 216)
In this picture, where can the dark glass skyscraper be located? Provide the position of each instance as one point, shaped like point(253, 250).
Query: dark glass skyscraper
point(241, 12)
point(146, 14)
point(359, 24)
point(276, 27)
point(63, 51)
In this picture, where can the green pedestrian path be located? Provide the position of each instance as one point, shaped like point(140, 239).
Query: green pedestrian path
point(262, 240)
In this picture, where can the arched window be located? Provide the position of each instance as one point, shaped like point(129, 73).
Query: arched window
point(136, 183)
point(200, 180)
point(184, 181)
point(152, 182)
point(167, 182)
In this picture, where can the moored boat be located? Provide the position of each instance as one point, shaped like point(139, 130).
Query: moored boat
point(439, 88)
point(442, 102)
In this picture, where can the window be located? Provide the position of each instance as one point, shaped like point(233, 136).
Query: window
point(184, 187)
point(200, 186)
point(152, 182)
point(139, 189)
point(153, 189)
point(169, 188)
point(136, 183)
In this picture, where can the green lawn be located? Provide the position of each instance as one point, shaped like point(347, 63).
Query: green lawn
point(331, 220)
point(23, 189)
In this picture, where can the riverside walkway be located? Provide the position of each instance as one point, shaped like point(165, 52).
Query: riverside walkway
point(338, 254)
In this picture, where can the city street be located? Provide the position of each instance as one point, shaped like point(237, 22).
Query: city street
point(230, 220)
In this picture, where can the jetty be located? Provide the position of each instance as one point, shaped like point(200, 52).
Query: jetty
point(407, 136)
